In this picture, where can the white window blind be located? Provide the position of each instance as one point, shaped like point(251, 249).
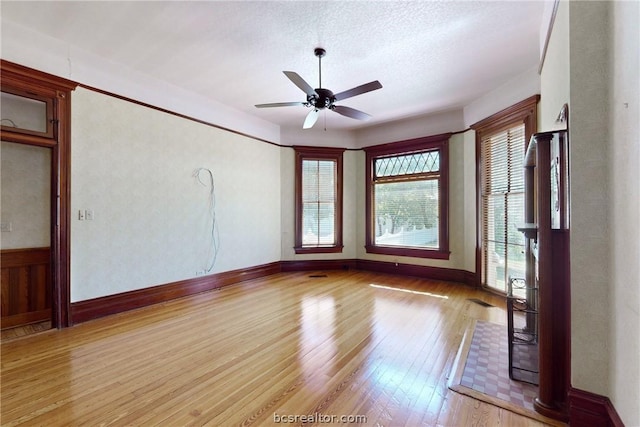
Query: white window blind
point(318, 202)
point(503, 206)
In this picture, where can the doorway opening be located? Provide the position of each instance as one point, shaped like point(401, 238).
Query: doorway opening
point(35, 217)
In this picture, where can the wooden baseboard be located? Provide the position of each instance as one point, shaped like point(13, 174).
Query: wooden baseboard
point(422, 271)
point(83, 311)
point(103, 306)
point(593, 410)
point(310, 265)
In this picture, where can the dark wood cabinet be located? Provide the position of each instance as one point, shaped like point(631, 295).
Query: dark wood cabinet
point(547, 205)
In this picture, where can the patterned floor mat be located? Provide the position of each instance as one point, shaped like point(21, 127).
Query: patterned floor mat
point(487, 367)
point(481, 371)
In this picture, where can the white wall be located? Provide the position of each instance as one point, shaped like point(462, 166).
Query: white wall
point(317, 137)
point(554, 79)
point(624, 164)
point(414, 127)
point(521, 87)
point(589, 175)
point(26, 195)
point(592, 64)
point(133, 166)
point(470, 204)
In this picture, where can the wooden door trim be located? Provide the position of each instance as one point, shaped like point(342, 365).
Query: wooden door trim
point(59, 91)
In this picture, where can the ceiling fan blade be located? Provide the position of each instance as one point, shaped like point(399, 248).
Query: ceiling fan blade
point(351, 112)
point(311, 119)
point(279, 104)
point(299, 81)
point(358, 90)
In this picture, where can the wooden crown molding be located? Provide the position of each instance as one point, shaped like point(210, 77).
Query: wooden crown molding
point(20, 76)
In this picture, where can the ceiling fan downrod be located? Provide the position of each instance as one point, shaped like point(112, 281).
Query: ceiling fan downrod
point(319, 52)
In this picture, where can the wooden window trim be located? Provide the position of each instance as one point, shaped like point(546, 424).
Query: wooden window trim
point(436, 142)
point(318, 153)
point(526, 112)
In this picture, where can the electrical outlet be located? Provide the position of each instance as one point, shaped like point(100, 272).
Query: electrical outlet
point(200, 273)
point(5, 226)
point(88, 214)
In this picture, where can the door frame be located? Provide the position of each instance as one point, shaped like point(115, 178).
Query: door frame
point(58, 90)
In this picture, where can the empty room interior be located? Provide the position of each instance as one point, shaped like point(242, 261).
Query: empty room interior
point(320, 213)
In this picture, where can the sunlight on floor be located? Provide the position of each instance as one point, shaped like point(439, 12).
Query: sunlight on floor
point(410, 291)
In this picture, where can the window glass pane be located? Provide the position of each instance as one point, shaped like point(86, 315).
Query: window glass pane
point(310, 224)
point(515, 215)
point(326, 223)
point(318, 224)
point(23, 113)
point(495, 218)
point(428, 161)
point(310, 180)
point(494, 263)
point(516, 261)
point(406, 214)
point(327, 180)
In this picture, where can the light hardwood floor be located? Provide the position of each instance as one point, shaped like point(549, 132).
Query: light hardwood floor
point(284, 345)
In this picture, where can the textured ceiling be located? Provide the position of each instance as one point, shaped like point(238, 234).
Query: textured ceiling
point(429, 56)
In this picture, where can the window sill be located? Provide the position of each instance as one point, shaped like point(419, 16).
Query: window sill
point(406, 251)
point(318, 249)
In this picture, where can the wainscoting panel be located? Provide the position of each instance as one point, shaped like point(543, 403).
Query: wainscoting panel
point(26, 286)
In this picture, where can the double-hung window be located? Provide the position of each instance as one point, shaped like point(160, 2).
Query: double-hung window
point(407, 198)
point(503, 251)
point(318, 194)
point(501, 142)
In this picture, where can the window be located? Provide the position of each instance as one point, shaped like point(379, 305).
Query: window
point(26, 113)
point(318, 192)
point(407, 198)
point(501, 142)
point(503, 206)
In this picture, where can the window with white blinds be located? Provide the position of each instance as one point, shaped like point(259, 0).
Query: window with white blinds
point(318, 200)
point(502, 199)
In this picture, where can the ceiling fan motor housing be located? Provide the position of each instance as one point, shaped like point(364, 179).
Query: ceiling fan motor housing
point(324, 99)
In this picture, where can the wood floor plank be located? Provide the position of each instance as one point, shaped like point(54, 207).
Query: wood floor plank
point(352, 343)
